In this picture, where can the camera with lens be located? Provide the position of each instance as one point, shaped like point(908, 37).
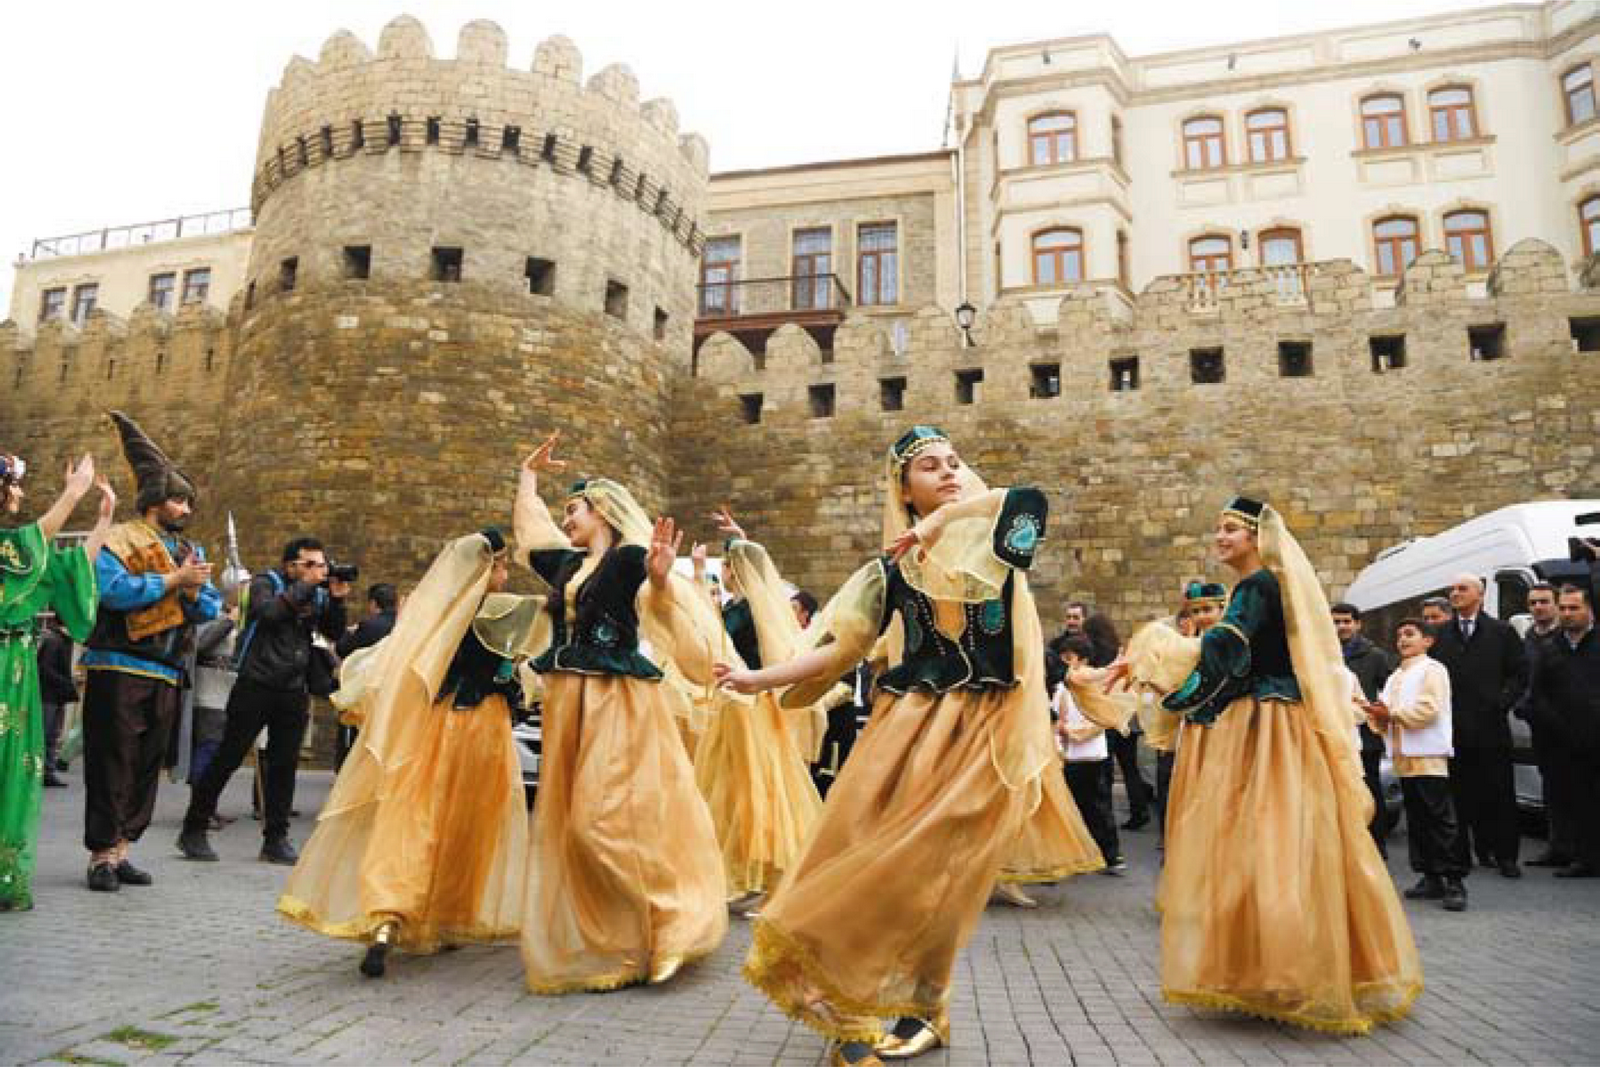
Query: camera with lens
point(343, 572)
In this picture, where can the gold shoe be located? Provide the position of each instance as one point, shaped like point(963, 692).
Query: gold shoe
point(836, 1059)
point(926, 1039)
point(664, 968)
point(1011, 894)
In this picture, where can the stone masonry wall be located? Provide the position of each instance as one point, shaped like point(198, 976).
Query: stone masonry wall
point(1356, 460)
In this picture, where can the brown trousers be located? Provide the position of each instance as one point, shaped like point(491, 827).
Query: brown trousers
point(127, 719)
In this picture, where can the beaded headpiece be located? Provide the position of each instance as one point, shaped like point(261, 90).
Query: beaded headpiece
point(914, 441)
point(1246, 511)
point(1196, 593)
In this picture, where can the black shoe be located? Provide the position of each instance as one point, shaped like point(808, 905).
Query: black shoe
point(128, 874)
point(1488, 861)
point(196, 846)
point(103, 878)
point(1428, 887)
point(1137, 821)
point(51, 781)
point(278, 850)
point(1510, 869)
point(373, 963)
point(1455, 896)
point(62, 765)
point(1548, 858)
point(1578, 869)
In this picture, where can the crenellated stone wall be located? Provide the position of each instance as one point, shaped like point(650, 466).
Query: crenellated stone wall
point(1356, 459)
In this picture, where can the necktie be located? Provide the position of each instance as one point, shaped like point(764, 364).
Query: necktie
point(1466, 629)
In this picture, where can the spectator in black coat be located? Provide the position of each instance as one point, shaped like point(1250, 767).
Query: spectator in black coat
point(56, 691)
point(1549, 751)
point(1372, 666)
point(1488, 676)
point(1566, 691)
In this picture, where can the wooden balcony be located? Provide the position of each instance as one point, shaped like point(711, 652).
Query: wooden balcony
point(751, 309)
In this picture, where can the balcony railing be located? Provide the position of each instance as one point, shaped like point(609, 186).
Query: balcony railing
point(794, 296)
point(143, 233)
point(1287, 282)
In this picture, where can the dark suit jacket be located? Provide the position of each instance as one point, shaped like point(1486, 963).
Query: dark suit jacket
point(1566, 689)
point(1488, 676)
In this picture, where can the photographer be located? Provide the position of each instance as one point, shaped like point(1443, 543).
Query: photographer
point(284, 609)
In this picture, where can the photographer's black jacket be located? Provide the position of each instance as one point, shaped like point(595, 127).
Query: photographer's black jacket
point(278, 629)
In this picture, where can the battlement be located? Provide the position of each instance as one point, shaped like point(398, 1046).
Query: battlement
point(1315, 326)
point(351, 102)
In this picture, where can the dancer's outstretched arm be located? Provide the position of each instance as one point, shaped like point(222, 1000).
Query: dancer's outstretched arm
point(80, 477)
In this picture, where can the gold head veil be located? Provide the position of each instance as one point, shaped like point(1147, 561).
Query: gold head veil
point(1318, 662)
point(388, 688)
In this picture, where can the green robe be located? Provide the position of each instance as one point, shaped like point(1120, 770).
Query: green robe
point(33, 577)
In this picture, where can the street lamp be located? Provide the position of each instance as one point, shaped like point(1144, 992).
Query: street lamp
point(965, 316)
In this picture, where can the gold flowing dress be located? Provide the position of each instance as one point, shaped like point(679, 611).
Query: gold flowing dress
point(748, 764)
point(623, 872)
point(426, 823)
point(867, 924)
point(1274, 900)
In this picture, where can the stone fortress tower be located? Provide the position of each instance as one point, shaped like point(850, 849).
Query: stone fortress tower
point(452, 257)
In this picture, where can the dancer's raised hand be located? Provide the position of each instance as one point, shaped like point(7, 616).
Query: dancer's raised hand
point(725, 524)
point(80, 476)
point(926, 533)
point(543, 458)
point(665, 540)
point(1116, 673)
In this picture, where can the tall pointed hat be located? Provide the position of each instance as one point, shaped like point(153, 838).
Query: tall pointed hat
point(157, 478)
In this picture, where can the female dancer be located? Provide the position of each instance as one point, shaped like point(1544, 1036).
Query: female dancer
point(747, 764)
point(625, 881)
point(868, 922)
point(1274, 901)
point(34, 576)
point(423, 841)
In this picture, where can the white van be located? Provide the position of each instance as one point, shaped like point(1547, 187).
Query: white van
point(1510, 549)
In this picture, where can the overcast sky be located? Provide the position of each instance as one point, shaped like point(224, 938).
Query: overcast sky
point(116, 112)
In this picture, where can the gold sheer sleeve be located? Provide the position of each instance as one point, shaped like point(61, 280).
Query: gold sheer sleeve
point(847, 627)
point(1108, 711)
point(535, 529)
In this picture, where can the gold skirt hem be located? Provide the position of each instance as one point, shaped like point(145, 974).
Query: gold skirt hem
point(849, 1019)
point(1356, 1026)
point(1052, 874)
point(603, 983)
point(432, 940)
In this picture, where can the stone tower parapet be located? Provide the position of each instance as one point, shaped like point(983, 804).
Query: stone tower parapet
point(451, 257)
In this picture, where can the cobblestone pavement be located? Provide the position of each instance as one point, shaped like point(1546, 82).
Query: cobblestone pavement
point(199, 969)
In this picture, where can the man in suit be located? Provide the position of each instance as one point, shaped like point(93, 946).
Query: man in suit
point(1488, 676)
point(1372, 666)
point(1566, 690)
point(1550, 750)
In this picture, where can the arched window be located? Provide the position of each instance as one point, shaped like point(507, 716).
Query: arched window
point(1268, 134)
point(1203, 146)
point(1280, 247)
point(1057, 256)
point(1466, 234)
point(1053, 138)
point(1211, 254)
point(1577, 85)
point(1452, 114)
point(1589, 220)
point(1383, 121)
point(1395, 240)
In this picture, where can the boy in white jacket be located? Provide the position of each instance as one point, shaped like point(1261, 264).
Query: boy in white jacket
point(1413, 715)
point(1087, 760)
